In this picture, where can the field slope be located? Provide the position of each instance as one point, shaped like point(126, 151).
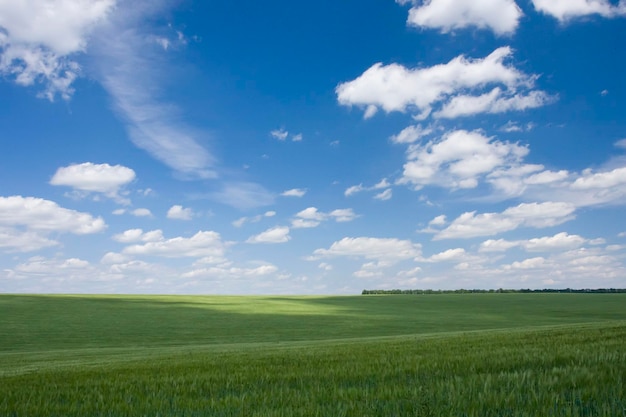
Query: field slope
point(442, 355)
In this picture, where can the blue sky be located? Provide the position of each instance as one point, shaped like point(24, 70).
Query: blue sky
point(324, 148)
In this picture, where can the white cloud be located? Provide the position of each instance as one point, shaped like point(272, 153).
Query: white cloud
point(384, 195)
point(411, 134)
point(297, 137)
point(621, 143)
point(13, 240)
point(438, 221)
point(495, 101)
point(559, 242)
point(141, 212)
point(138, 235)
point(228, 272)
point(312, 217)
point(98, 178)
point(39, 37)
point(242, 220)
point(458, 159)
point(537, 215)
point(280, 134)
point(278, 234)
point(601, 180)
point(294, 192)
point(531, 263)
point(132, 68)
point(380, 249)
point(397, 88)
point(547, 177)
point(114, 258)
point(449, 255)
point(203, 243)
point(44, 215)
point(343, 215)
point(180, 213)
point(500, 16)
point(565, 10)
point(353, 190)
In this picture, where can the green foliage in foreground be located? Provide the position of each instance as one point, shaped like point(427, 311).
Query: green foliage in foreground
point(566, 371)
point(445, 355)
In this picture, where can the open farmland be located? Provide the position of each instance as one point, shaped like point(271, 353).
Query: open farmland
point(441, 355)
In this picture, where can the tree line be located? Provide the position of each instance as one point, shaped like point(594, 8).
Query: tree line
point(499, 290)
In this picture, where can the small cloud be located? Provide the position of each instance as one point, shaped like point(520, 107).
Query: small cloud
point(280, 134)
point(297, 138)
point(384, 196)
point(279, 234)
point(604, 93)
point(119, 212)
point(621, 143)
point(353, 190)
point(294, 192)
point(334, 143)
point(179, 213)
point(141, 212)
point(89, 178)
point(622, 234)
point(241, 221)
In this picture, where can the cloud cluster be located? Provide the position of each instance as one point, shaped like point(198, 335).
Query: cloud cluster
point(560, 241)
point(458, 159)
point(394, 87)
point(38, 39)
point(312, 217)
point(25, 223)
point(537, 215)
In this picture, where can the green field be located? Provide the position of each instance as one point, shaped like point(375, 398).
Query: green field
point(417, 355)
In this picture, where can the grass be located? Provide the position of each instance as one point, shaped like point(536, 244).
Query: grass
point(437, 355)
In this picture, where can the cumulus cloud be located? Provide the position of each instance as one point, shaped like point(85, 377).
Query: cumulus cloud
point(565, 10)
point(203, 243)
point(13, 240)
point(312, 217)
point(559, 242)
point(458, 159)
point(500, 16)
point(537, 215)
point(38, 41)
point(379, 249)
point(26, 222)
point(495, 101)
point(411, 134)
point(394, 87)
point(45, 215)
point(179, 213)
point(141, 212)
point(95, 178)
point(294, 192)
point(138, 235)
point(278, 234)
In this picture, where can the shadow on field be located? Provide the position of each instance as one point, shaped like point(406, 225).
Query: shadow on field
point(35, 323)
